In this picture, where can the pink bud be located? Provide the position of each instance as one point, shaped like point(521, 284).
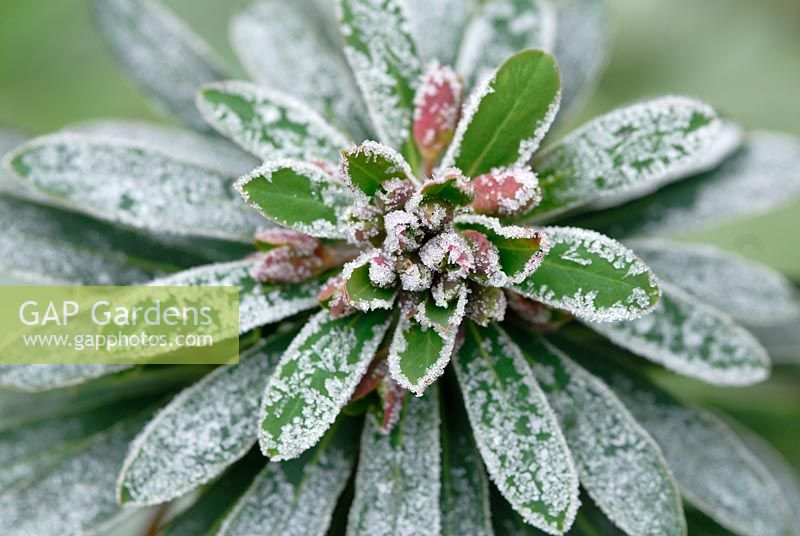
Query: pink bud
point(301, 244)
point(437, 107)
point(448, 251)
point(505, 192)
point(394, 194)
point(486, 304)
point(381, 271)
point(334, 298)
point(284, 265)
point(485, 253)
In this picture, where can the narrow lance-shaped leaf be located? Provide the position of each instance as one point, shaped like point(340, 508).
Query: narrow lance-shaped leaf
point(516, 431)
point(397, 483)
point(714, 470)
point(591, 276)
point(36, 378)
point(78, 492)
point(464, 500)
point(297, 497)
point(761, 177)
point(297, 195)
point(135, 186)
point(203, 430)
point(315, 378)
point(268, 124)
point(160, 53)
point(258, 304)
point(634, 148)
point(383, 57)
point(750, 293)
point(692, 338)
point(619, 464)
point(449, 17)
point(581, 48)
point(282, 45)
point(507, 116)
point(499, 28)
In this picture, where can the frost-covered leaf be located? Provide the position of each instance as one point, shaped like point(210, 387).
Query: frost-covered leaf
point(368, 165)
point(464, 500)
point(581, 48)
point(160, 53)
point(507, 116)
point(516, 431)
point(75, 496)
point(135, 186)
point(383, 56)
point(35, 378)
point(438, 27)
point(638, 147)
point(297, 497)
point(520, 249)
point(750, 293)
point(761, 177)
point(268, 124)
point(49, 245)
point(297, 195)
point(418, 354)
point(714, 470)
point(9, 139)
point(500, 28)
point(203, 430)
point(315, 378)
point(215, 501)
point(187, 146)
point(360, 291)
point(397, 482)
point(780, 470)
point(693, 339)
point(259, 304)
point(618, 463)
point(283, 45)
point(591, 276)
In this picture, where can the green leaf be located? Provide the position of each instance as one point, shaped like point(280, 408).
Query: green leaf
point(315, 378)
point(297, 195)
point(591, 276)
point(638, 148)
point(297, 496)
point(781, 342)
point(449, 17)
point(516, 431)
point(134, 186)
point(370, 164)
point(9, 139)
point(160, 53)
point(507, 116)
point(521, 249)
point(693, 339)
point(36, 378)
point(48, 245)
point(77, 495)
point(384, 60)
point(259, 304)
point(500, 28)
point(202, 431)
point(619, 464)
point(583, 43)
point(361, 293)
point(206, 513)
point(760, 178)
point(750, 293)
point(268, 124)
point(419, 354)
point(464, 500)
point(283, 45)
point(397, 482)
point(714, 470)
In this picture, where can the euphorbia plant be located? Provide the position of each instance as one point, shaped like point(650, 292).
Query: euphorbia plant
point(426, 231)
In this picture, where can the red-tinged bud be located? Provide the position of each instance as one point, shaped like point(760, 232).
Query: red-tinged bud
point(505, 192)
point(284, 265)
point(535, 314)
point(486, 254)
point(381, 271)
point(301, 244)
point(437, 107)
point(333, 297)
point(394, 194)
point(414, 276)
point(448, 252)
point(392, 396)
point(486, 304)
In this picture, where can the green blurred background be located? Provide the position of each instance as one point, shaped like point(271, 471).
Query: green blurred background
point(742, 56)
